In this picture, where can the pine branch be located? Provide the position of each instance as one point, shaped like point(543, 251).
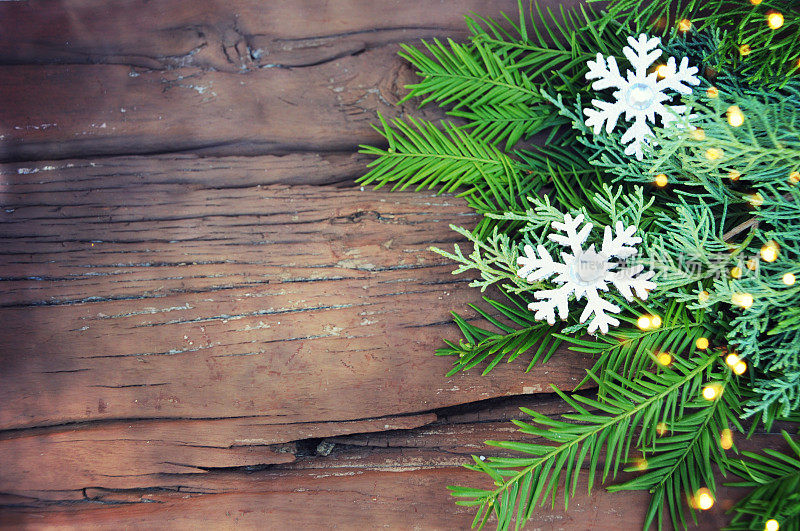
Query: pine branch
point(631, 405)
point(482, 344)
point(680, 463)
point(774, 478)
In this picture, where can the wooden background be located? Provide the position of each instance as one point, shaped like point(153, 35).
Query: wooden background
point(204, 322)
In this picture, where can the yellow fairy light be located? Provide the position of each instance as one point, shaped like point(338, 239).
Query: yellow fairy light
point(712, 92)
point(769, 252)
point(712, 391)
point(640, 463)
point(703, 499)
point(740, 368)
point(665, 358)
point(743, 300)
point(662, 71)
point(698, 134)
point(755, 2)
point(789, 279)
point(661, 180)
point(655, 321)
point(751, 264)
point(661, 428)
point(703, 296)
point(756, 199)
point(771, 525)
point(736, 272)
point(744, 50)
point(774, 19)
point(731, 360)
point(685, 25)
point(644, 322)
point(726, 439)
point(734, 175)
point(794, 177)
point(714, 153)
point(735, 116)
point(701, 343)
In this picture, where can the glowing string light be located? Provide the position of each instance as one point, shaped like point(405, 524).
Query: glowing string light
point(771, 525)
point(789, 279)
point(735, 116)
point(743, 300)
point(661, 180)
point(774, 20)
point(726, 439)
point(769, 252)
point(703, 499)
point(701, 343)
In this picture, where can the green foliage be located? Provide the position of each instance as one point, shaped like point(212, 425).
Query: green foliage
point(773, 53)
point(629, 416)
point(525, 76)
point(481, 344)
point(774, 482)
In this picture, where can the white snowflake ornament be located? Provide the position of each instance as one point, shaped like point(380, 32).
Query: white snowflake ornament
point(639, 95)
point(584, 273)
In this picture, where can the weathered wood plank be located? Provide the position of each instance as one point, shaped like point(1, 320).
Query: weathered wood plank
point(226, 36)
point(222, 78)
point(124, 299)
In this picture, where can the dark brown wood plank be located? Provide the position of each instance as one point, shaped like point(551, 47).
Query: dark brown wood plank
point(124, 299)
point(232, 78)
point(227, 36)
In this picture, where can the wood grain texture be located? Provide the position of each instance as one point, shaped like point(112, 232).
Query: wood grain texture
point(203, 323)
point(224, 78)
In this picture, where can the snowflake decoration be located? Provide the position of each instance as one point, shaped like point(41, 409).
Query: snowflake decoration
point(585, 272)
point(641, 95)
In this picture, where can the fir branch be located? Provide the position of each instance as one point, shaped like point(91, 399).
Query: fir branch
point(508, 344)
point(774, 478)
point(631, 405)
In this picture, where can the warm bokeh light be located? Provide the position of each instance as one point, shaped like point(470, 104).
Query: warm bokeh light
point(661, 428)
point(794, 177)
point(756, 199)
point(662, 71)
point(726, 439)
point(703, 499)
point(743, 300)
point(751, 264)
point(712, 92)
point(698, 134)
point(744, 49)
point(755, 2)
point(771, 525)
point(701, 343)
point(655, 321)
point(712, 391)
point(740, 368)
point(644, 322)
point(732, 359)
point(734, 175)
point(661, 180)
point(735, 116)
point(736, 272)
point(769, 252)
point(774, 19)
point(789, 279)
point(703, 296)
point(640, 463)
point(685, 25)
point(714, 153)
point(665, 358)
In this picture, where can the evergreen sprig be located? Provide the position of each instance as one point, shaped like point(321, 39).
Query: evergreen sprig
point(732, 190)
